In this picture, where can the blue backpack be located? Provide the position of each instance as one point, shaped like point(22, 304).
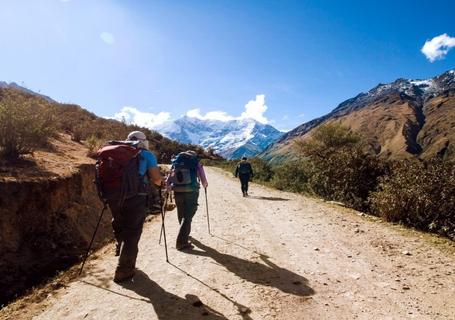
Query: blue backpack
point(184, 172)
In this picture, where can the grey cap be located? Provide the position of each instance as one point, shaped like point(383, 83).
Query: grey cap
point(136, 135)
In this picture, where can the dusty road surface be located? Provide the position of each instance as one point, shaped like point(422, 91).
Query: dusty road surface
point(274, 255)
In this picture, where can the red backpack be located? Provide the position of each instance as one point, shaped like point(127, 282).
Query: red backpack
point(117, 170)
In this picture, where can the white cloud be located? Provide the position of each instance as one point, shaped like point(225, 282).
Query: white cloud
point(255, 109)
point(301, 115)
point(212, 115)
point(144, 119)
point(107, 37)
point(438, 47)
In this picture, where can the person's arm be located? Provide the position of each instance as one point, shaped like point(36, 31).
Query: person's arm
point(201, 175)
point(251, 171)
point(155, 176)
point(236, 171)
point(153, 171)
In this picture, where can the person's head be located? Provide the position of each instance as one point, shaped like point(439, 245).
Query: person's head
point(138, 136)
point(244, 158)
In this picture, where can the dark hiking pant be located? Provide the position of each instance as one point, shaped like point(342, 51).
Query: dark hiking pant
point(127, 222)
point(244, 179)
point(186, 208)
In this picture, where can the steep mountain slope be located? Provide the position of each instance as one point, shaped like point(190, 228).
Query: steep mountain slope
point(231, 139)
point(402, 119)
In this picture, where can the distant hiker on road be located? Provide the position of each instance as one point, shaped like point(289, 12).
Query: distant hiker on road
point(185, 178)
point(245, 172)
point(126, 168)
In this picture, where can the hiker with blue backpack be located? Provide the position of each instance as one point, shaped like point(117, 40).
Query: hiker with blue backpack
point(244, 171)
point(124, 172)
point(185, 179)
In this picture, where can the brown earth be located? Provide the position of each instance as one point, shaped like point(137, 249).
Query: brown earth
point(274, 255)
point(49, 209)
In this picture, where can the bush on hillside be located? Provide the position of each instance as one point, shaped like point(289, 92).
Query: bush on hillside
point(338, 167)
point(26, 123)
point(291, 176)
point(261, 169)
point(418, 194)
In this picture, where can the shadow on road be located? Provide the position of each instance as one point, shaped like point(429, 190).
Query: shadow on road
point(169, 306)
point(268, 198)
point(267, 274)
point(243, 310)
point(238, 245)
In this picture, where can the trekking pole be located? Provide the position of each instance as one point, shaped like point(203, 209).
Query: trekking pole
point(93, 237)
point(163, 228)
point(164, 216)
point(207, 207)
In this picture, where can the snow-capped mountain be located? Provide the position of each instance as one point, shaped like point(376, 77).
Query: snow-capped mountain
point(231, 139)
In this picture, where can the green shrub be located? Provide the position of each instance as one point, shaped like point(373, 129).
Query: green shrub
point(262, 170)
point(338, 167)
point(93, 144)
point(291, 176)
point(26, 123)
point(418, 194)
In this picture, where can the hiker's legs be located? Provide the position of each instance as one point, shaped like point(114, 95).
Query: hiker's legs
point(244, 178)
point(128, 222)
point(186, 209)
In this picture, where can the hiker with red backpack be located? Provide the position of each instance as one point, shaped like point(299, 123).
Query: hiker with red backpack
point(186, 176)
point(125, 171)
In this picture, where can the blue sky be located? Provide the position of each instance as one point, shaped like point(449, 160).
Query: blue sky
point(163, 59)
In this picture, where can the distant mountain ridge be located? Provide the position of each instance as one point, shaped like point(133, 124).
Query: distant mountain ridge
point(231, 139)
point(400, 119)
point(14, 85)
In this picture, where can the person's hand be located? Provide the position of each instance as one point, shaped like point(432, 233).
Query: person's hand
point(205, 185)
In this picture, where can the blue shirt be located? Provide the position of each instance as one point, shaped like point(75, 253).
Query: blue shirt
point(147, 160)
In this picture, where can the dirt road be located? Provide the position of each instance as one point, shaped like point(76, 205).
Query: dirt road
point(274, 255)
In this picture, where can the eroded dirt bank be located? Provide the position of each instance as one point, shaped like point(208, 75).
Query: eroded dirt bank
point(273, 255)
point(47, 217)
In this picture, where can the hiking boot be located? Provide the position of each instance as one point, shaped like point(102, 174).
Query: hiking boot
point(118, 246)
point(184, 247)
point(123, 275)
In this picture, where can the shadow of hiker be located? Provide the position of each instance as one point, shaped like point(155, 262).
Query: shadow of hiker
point(243, 311)
point(169, 306)
point(268, 198)
point(268, 274)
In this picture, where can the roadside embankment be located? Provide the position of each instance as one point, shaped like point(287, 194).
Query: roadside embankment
point(46, 224)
